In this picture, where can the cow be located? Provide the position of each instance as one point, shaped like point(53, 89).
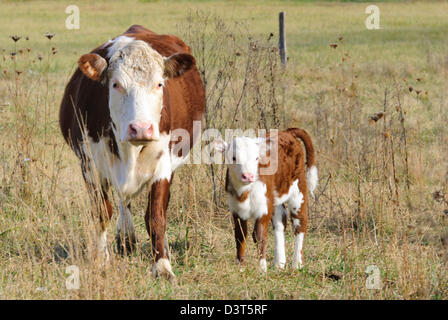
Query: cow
point(262, 195)
point(118, 113)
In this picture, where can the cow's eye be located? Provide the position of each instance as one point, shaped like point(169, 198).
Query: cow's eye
point(160, 85)
point(115, 85)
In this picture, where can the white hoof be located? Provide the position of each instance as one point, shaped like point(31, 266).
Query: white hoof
point(102, 252)
point(280, 265)
point(242, 265)
point(163, 268)
point(297, 264)
point(263, 265)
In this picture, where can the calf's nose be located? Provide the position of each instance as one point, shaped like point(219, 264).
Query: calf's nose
point(140, 130)
point(247, 177)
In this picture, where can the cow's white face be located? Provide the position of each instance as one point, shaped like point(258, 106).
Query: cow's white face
point(136, 80)
point(135, 76)
point(242, 157)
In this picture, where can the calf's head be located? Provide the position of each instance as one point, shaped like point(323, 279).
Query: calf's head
point(135, 76)
point(242, 156)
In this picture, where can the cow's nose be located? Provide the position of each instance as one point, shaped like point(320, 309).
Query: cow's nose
point(140, 130)
point(247, 177)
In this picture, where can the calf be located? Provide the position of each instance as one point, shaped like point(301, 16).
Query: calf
point(254, 194)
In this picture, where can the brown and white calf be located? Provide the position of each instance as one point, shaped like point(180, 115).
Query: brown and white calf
point(253, 194)
point(119, 113)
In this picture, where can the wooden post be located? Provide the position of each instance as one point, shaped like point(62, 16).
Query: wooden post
point(282, 38)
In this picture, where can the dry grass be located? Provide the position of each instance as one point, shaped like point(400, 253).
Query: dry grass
point(374, 106)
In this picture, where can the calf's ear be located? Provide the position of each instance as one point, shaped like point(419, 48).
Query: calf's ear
point(92, 65)
point(220, 145)
point(177, 64)
point(264, 145)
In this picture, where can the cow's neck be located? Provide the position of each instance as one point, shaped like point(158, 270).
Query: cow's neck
point(138, 165)
point(129, 153)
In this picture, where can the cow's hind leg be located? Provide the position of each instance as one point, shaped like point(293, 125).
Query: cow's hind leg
point(155, 220)
point(279, 224)
point(298, 207)
point(125, 238)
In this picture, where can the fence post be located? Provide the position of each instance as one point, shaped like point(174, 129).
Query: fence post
point(282, 38)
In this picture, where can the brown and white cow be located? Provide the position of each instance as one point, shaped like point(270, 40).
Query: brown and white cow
point(261, 196)
point(119, 112)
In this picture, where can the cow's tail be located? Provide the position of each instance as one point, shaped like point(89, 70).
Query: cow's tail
point(311, 173)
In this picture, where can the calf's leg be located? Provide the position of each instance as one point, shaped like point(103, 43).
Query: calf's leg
point(240, 238)
point(298, 207)
point(279, 224)
point(260, 236)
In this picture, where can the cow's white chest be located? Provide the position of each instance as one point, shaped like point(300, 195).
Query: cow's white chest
point(136, 166)
point(254, 206)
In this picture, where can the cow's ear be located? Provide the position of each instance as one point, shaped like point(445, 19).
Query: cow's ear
point(92, 65)
point(178, 64)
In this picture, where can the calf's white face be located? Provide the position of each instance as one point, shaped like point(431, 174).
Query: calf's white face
point(242, 157)
point(135, 76)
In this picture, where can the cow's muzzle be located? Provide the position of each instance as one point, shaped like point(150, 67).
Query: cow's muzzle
point(141, 132)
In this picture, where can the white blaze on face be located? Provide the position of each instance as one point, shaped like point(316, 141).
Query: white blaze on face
point(242, 156)
point(135, 88)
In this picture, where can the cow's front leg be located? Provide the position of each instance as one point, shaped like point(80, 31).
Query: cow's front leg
point(126, 239)
point(102, 213)
point(260, 236)
point(98, 190)
point(155, 220)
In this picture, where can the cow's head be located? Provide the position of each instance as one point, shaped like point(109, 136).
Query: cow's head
point(242, 156)
point(135, 76)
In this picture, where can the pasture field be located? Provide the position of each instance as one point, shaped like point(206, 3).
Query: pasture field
point(374, 102)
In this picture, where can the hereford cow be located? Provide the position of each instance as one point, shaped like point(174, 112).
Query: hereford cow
point(118, 113)
point(258, 195)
